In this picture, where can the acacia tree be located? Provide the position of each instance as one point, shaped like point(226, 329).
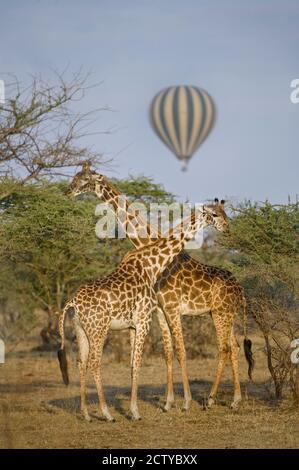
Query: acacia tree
point(264, 247)
point(40, 131)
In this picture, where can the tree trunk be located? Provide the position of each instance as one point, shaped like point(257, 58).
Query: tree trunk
point(277, 383)
point(49, 334)
point(278, 388)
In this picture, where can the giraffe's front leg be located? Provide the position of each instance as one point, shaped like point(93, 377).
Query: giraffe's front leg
point(141, 332)
point(174, 320)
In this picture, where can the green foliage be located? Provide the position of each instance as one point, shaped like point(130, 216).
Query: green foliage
point(8, 186)
point(265, 238)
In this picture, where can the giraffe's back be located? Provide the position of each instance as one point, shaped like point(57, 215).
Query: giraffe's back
point(197, 288)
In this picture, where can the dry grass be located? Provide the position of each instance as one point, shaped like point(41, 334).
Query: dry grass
point(38, 411)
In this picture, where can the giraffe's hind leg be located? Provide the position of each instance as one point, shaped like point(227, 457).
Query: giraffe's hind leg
point(168, 351)
point(83, 345)
point(227, 348)
point(234, 358)
point(95, 359)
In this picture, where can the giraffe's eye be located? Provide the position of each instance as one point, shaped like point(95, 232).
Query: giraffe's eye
point(215, 215)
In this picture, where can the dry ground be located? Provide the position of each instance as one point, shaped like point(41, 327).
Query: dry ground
point(38, 411)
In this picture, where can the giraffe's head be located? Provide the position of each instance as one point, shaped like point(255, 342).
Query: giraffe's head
point(86, 181)
point(214, 214)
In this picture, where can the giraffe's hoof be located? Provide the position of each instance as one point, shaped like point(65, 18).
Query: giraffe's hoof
point(109, 418)
point(87, 418)
point(187, 405)
point(168, 406)
point(106, 414)
point(135, 417)
point(235, 404)
point(209, 403)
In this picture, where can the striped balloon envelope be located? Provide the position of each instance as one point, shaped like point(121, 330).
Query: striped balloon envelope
point(182, 116)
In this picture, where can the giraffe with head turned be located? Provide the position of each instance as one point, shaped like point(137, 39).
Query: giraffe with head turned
point(125, 299)
point(186, 287)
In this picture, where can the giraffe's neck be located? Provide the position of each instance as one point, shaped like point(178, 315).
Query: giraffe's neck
point(159, 254)
point(134, 224)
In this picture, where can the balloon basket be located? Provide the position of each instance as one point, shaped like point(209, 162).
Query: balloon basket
point(184, 166)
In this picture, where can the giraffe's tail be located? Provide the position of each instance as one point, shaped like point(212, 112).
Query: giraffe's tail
point(61, 352)
point(247, 344)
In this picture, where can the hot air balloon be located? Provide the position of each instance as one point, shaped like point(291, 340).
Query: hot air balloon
point(182, 116)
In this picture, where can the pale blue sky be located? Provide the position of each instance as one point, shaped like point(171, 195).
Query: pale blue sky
point(244, 53)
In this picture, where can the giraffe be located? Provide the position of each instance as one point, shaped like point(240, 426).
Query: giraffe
point(186, 287)
point(125, 299)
